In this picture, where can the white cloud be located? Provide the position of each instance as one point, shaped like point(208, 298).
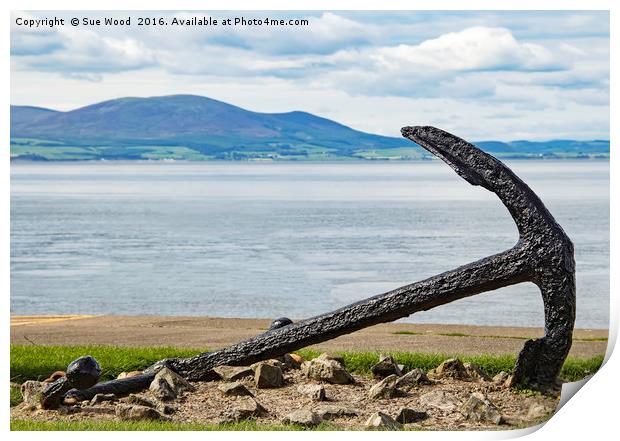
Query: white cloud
point(476, 48)
point(442, 68)
point(323, 35)
point(85, 51)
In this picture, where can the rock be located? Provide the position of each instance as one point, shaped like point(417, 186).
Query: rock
point(381, 421)
point(454, 368)
point(280, 323)
point(475, 373)
point(412, 379)
point(128, 374)
point(500, 378)
point(440, 399)
point(142, 401)
point(267, 376)
point(406, 416)
point(385, 388)
point(162, 390)
point(137, 399)
point(272, 362)
point(336, 358)
point(55, 376)
point(26, 407)
point(293, 361)
point(100, 398)
point(167, 385)
point(314, 391)
point(234, 373)
point(31, 392)
point(327, 368)
point(297, 358)
point(329, 412)
point(386, 367)
point(235, 389)
point(178, 383)
point(135, 412)
point(243, 408)
point(451, 368)
point(93, 410)
point(479, 408)
point(165, 409)
point(510, 381)
point(302, 417)
point(539, 411)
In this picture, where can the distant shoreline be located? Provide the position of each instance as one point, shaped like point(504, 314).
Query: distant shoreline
point(19, 159)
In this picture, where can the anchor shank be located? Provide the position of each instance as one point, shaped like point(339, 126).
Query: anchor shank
point(490, 273)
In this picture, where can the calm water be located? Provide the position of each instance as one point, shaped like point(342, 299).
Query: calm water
point(266, 240)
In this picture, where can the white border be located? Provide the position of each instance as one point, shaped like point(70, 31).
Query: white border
point(591, 414)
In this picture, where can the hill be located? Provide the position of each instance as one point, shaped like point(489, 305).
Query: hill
point(195, 127)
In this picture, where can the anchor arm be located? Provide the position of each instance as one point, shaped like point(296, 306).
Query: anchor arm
point(487, 274)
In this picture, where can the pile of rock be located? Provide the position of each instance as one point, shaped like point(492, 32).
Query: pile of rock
point(314, 382)
point(394, 383)
point(324, 369)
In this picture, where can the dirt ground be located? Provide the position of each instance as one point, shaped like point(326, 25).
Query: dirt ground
point(442, 401)
point(213, 333)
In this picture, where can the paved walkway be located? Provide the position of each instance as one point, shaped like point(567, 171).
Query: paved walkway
point(212, 333)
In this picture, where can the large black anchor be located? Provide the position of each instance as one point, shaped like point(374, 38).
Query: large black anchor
point(543, 255)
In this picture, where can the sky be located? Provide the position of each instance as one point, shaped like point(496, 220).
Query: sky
point(502, 75)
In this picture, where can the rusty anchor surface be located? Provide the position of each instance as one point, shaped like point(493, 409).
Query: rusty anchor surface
point(542, 255)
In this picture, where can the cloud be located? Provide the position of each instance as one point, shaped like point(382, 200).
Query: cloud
point(35, 43)
point(513, 63)
point(476, 48)
point(468, 63)
point(38, 41)
point(324, 34)
point(80, 51)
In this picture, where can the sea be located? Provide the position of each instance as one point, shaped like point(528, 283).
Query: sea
point(294, 239)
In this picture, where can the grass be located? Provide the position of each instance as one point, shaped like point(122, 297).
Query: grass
point(37, 362)
point(360, 362)
point(16, 396)
point(19, 424)
point(591, 339)
point(55, 152)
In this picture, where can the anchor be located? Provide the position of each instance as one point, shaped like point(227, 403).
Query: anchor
point(543, 255)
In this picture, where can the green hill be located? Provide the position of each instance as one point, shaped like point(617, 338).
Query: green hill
point(196, 128)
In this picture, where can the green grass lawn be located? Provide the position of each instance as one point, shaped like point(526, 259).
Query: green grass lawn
point(18, 424)
point(37, 362)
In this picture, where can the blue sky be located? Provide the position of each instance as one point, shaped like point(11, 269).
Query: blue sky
point(482, 75)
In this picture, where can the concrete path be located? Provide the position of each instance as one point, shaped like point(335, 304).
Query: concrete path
point(212, 333)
